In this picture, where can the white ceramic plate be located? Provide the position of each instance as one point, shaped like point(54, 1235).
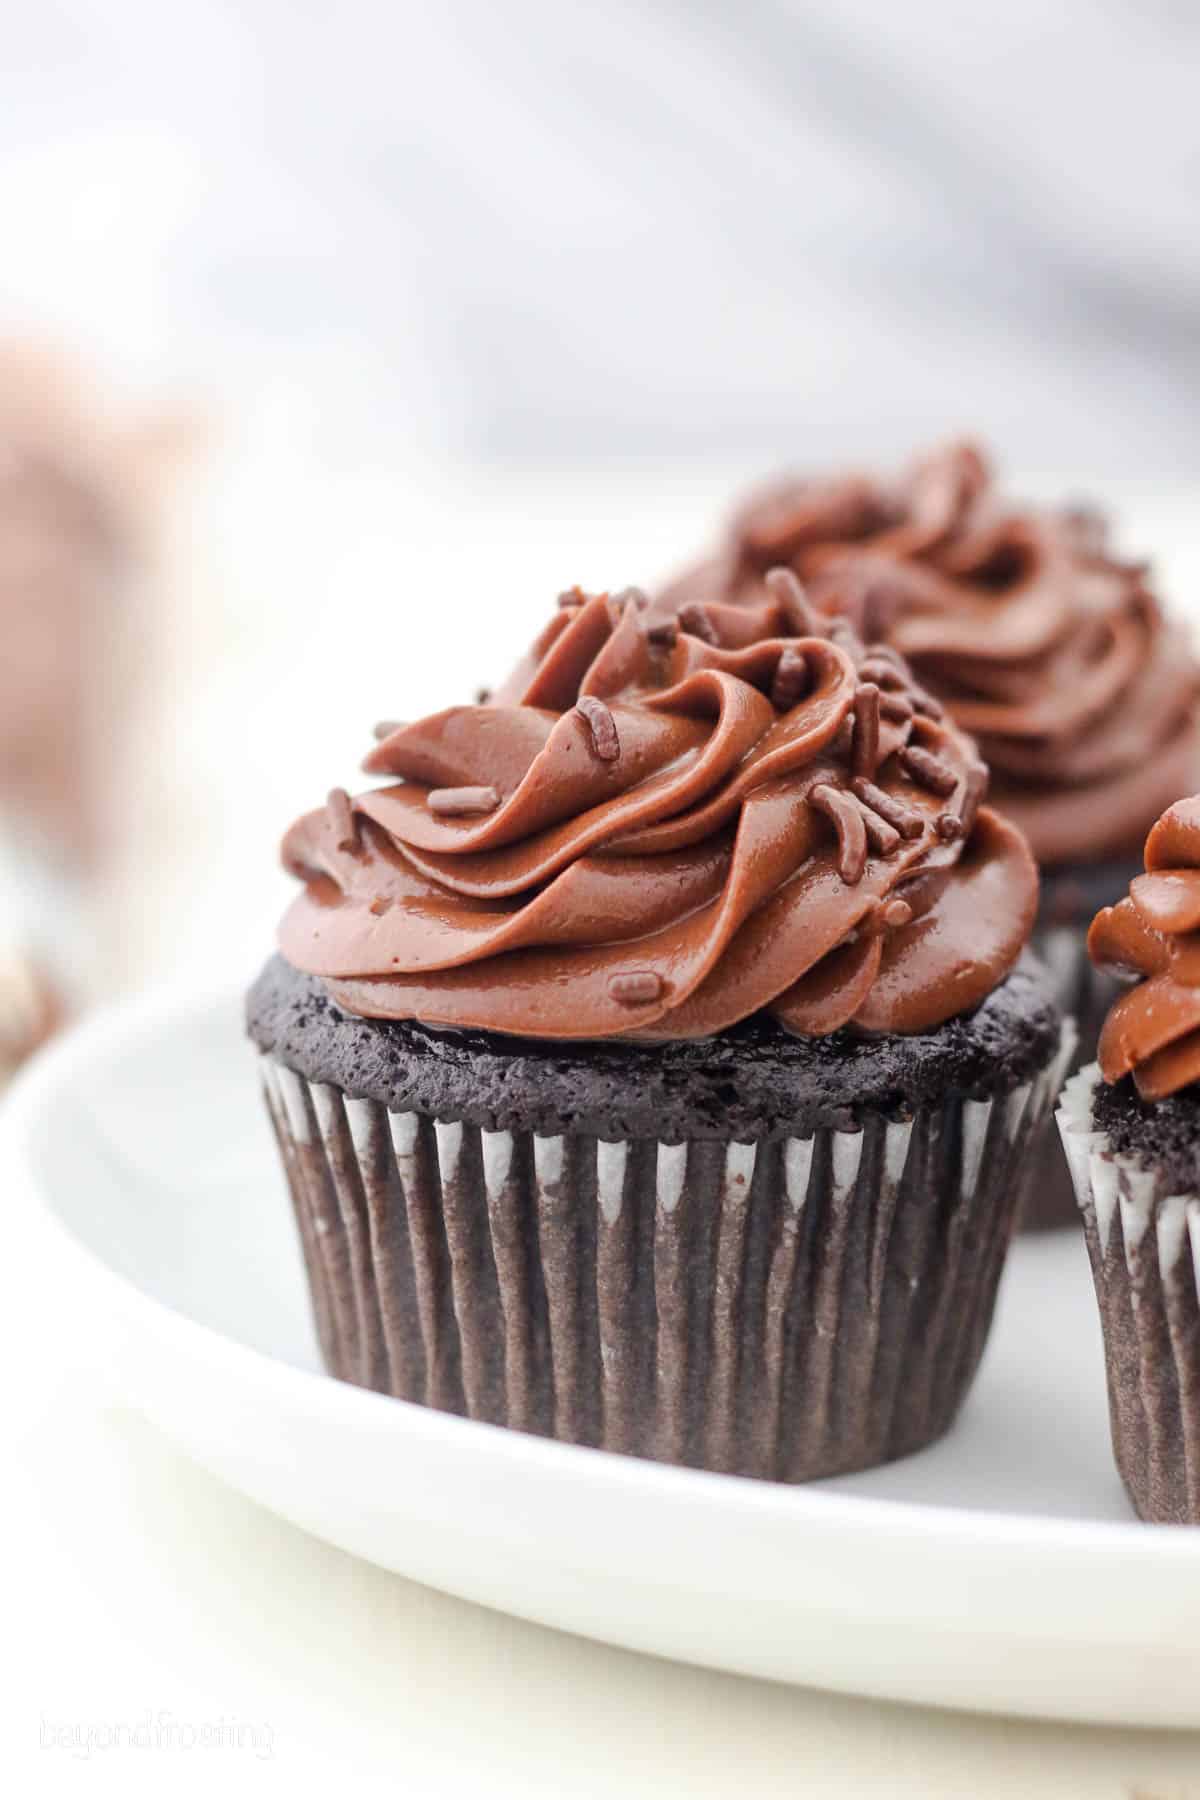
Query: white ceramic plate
point(1000, 1570)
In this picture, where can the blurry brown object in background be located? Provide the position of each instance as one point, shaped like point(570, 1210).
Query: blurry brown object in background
point(31, 1010)
point(78, 499)
point(74, 492)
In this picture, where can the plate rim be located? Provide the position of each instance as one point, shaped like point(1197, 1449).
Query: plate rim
point(119, 1026)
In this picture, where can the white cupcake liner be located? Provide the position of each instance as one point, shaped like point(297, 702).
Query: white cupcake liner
point(1144, 1246)
point(787, 1309)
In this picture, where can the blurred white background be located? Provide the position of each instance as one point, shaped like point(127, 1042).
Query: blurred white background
point(473, 302)
point(797, 228)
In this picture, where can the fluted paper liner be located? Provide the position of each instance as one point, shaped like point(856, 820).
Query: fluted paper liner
point(1082, 993)
point(788, 1308)
point(1144, 1246)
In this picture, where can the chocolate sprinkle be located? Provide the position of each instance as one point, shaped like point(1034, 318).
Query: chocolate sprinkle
point(902, 818)
point(851, 830)
point(866, 729)
point(879, 599)
point(694, 619)
point(786, 589)
point(929, 770)
point(880, 835)
point(602, 726)
point(958, 823)
point(842, 633)
point(887, 915)
point(975, 789)
point(459, 802)
point(791, 681)
point(664, 632)
point(882, 671)
point(341, 817)
point(896, 708)
point(635, 987)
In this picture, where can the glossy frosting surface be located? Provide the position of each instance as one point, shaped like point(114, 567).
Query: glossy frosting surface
point(653, 832)
point(1153, 1029)
point(1054, 653)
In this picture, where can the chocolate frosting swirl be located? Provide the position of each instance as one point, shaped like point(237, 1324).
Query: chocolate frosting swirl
point(1153, 1030)
point(652, 833)
point(1051, 651)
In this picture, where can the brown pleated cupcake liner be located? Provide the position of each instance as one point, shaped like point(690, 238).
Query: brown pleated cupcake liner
point(1144, 1246)
point(786, 1309)
point(1084, 994)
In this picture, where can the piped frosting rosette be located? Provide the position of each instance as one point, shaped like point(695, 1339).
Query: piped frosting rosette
point(660, 827)
point(1152, 1031)
point(1054, 653)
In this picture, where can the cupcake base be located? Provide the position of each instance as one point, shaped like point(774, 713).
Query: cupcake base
point(1142, 1225)
point(802, 1303)
point(785, 1309)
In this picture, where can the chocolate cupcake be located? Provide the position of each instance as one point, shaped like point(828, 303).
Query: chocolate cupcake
point(1049, 649)
point(649, 1058)
point(1131, 1128)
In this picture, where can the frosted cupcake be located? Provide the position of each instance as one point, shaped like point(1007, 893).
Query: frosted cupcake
point(1131, 1128)
point(649, 1056)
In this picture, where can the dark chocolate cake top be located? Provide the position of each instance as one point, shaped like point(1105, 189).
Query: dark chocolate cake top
point(1160, 1134)
point(753, 1081)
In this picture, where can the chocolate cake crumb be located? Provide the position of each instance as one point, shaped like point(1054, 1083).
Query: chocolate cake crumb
point(753, 1081)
